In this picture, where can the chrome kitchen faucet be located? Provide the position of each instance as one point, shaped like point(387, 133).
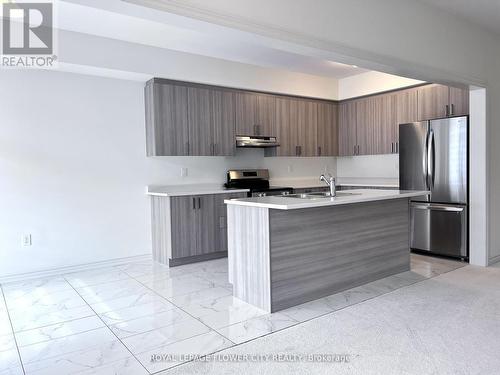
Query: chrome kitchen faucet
point(330, 181)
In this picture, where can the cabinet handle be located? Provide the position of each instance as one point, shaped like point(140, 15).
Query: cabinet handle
point(216, 148)
point(194, 203)
point(354, 152)
point(397, 147)
point(187, 148)
point(452, 109)
point(296, 150)
point(447, 110)
point(319, 150)
point(392, 147)
point(199, 203)
point(300, 150)
point(211, 149)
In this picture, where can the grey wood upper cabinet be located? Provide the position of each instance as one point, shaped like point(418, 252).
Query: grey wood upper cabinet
point(328, 132)
point(370, 125)
point(433, 102)
point(459, 102)
point(186, 120)
point(297, 127)
point(166, 120)
point(223, 122)
point(367, 125)
point(199, 121)
point(211, 122)
point(286, 128)
point(347, 128)
point(192, 119)
point(255, 114)
point(307, 114)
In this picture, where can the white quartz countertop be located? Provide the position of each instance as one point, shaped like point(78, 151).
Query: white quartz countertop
point(356, 196)
point(315, 183)
point(192, 189)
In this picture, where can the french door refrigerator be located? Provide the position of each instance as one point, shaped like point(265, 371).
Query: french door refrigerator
point(433, 156)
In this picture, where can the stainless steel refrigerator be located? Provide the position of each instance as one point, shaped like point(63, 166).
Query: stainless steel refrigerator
point(433, 156)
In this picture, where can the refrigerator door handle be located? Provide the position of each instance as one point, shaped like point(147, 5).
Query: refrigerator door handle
point(430, 160)
point(425, 163)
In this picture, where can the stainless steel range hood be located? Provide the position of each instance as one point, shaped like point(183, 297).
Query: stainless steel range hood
point(256, 141)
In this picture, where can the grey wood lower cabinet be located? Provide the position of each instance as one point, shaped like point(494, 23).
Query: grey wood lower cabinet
point(187, 229)
point(282, 258)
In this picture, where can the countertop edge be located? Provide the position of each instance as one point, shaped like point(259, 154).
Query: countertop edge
point(195, 192)
point(315, 204)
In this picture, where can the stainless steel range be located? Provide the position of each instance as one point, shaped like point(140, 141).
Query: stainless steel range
point(257, 180)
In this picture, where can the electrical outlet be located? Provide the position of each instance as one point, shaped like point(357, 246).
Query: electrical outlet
point(184, 172)
point(26, 240)
point(290, 169)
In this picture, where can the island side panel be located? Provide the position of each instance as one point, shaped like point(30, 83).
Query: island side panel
point(316, 252)
point(161, 229)
point(248, 254)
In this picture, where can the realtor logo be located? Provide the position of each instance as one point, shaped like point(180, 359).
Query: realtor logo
point(28, 34)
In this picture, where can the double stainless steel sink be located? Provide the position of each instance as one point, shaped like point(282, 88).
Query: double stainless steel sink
point(322, 195)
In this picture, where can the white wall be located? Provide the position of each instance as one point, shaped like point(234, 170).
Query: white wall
point(73, 170)
point(83, 50)
point(370, 83)
point(369, 169)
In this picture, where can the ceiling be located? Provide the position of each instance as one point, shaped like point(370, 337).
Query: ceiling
point(129, 22)
point(484, 13)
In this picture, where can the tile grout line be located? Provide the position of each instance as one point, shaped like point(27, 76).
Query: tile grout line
point(98, 316)
point(180, 308)
point(12, 328)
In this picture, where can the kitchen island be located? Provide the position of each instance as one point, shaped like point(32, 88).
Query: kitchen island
point(284, 251)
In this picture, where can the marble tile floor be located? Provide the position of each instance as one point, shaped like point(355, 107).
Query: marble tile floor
point(113, 320)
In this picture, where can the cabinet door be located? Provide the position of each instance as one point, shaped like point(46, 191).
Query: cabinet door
point(184, 226)
point(459, 102)
point(206, 229)
point(221, 219)
point(367, 124)
point(328, 144)
point(265, 115)
point(384, 130)
point(223, 122)
point(200, 131)
point(433, 101)
point(166, 119)
point(286, 127)
point(347, 128)
point(307, 127)
point(406, 103)
point(246, 109)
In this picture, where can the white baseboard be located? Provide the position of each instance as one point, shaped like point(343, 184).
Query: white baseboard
point(494, 260)
point(69, 269)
